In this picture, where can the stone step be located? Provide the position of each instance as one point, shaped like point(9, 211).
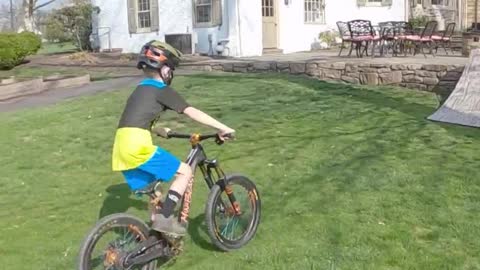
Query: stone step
point(272, 51)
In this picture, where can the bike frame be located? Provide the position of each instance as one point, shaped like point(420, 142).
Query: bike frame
point(197, 158)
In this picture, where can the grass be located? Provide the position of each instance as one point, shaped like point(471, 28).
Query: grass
point(56, 48)
point(31, 72)
point(350, 178)
point(96, 74)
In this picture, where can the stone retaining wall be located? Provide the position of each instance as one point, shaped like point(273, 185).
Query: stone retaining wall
point(428, 77)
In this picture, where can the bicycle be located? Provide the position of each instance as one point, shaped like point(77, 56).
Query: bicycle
point(144, 246)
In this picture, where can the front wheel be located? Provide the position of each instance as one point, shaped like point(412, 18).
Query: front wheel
point(232, 213)
point(114, 236)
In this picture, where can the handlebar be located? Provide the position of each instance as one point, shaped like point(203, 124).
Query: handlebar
point(167, 134)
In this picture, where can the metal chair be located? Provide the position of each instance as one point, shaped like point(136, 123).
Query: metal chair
point(425, 38)
point(345, 36)
point(362, 34)
point(445, 39)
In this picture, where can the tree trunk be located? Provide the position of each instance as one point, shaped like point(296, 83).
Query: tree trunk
point(29, 8)
point(28, 21)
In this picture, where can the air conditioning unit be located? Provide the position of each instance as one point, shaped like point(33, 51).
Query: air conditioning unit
point(182, 42)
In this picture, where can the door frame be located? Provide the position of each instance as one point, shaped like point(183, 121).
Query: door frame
point(276, 9)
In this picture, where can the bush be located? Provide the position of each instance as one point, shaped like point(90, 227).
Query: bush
point(55, 31)
point(328, 37)
point(419, 21)
point(15, 47)
point(71, 23)
point(30, 42)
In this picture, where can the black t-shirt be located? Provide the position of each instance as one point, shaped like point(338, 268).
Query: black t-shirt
point(147, 102)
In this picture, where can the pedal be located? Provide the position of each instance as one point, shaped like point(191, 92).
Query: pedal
point(172, 238)
point(176, 243)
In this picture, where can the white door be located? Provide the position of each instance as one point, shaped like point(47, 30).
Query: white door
point(269, 20)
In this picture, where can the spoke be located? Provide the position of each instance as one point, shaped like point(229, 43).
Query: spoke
point(226, 227)
point(128, 241)
point(234, 225)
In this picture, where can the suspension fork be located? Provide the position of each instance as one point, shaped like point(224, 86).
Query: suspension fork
point(222, 182)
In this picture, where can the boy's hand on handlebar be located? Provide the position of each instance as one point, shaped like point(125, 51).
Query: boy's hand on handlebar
point(226, 134)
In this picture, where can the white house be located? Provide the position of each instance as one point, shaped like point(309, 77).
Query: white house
point(245, 27)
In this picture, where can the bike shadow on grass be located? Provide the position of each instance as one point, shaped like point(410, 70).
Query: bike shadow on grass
point(198, 232)
point(119, 199)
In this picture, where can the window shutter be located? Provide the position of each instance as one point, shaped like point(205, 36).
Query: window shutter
point(132, 20)
point(216, 12)
point(386, 2)
point(154, 14)
point(194, 11)
point(361, 3)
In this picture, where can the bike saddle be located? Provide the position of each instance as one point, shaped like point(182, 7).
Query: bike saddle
point(150, 189)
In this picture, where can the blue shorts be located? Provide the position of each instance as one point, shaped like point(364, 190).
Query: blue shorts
point(161, 166)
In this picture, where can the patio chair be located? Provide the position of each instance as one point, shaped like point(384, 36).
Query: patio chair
point(445, 39)
point(362, 35)
point(387, 37)
point(425, 38)
point(345, 36)
point(402, 30)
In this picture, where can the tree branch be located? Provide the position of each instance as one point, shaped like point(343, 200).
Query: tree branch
point(44, 4)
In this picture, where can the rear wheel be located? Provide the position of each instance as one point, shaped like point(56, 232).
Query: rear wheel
point(232, 225)
point(114, 235)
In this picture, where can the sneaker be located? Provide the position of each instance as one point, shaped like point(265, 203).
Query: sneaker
point(168, 225)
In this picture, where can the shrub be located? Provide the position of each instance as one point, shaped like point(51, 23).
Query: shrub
point(71, 23)
point(419, 21)
point(15, 47)
point(30, 42)
point(55, 31)
point(328, 37)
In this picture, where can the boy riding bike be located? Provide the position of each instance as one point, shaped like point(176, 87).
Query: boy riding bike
point(134, 154)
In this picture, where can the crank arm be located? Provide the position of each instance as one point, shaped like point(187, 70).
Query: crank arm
point(142, 247)
point(158, 251)
point(136, 256)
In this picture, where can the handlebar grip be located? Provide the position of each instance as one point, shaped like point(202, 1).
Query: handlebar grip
point(162, 132)
point(220, 142)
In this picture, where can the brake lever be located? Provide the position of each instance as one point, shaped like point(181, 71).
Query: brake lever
point(220, 142)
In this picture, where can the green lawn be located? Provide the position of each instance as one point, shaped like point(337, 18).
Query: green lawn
point(31, 72)
point(55, 48)
point(350, 178)
point(96, 74)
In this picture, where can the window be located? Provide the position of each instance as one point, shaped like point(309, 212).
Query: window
point(143, 16)
point(314, 11)
point(440, 2)
point(204, 11)
point(208, 13)
point(374, 2)
point(143, 11)
point(267, 8)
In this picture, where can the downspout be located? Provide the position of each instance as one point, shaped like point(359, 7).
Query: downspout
point(406, 4)
point(476, 14)
point(238, 29)
point(227, 23)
